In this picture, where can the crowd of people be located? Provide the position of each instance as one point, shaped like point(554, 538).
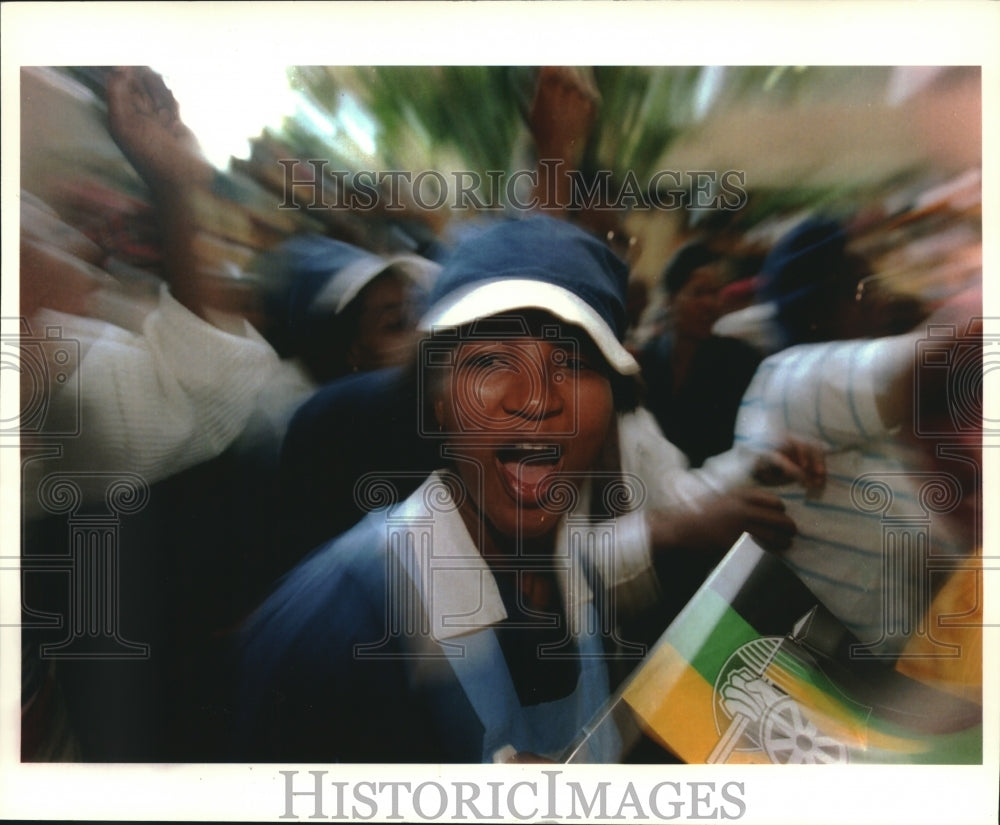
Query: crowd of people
point(368, 467)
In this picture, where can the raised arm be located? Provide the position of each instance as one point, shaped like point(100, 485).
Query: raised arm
point(145, 122)
point(562, 114)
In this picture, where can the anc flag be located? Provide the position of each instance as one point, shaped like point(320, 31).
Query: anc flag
point(754, 669)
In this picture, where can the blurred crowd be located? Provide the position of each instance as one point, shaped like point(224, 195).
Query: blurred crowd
point(245, 370)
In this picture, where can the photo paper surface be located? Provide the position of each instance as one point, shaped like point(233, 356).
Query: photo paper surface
point(152, 501)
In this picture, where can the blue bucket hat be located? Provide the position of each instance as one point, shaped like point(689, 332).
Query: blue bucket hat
point(536, 263)
point(328, 274)
point(315, 278)
point(802, 273)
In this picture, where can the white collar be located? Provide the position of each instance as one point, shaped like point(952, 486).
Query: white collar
point(456, 585)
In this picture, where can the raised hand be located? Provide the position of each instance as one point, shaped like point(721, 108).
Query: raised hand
point(797, 459)
point(145, 122)
point(563, 112)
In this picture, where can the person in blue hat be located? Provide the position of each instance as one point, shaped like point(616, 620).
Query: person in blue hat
point(476, 617)
point(809, 290)
point(483, 615)
point(339, 308)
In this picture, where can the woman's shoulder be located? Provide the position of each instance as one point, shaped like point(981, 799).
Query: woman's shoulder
point(317, 666)
point(333, 593)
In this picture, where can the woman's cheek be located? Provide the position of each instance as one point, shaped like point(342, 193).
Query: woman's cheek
point(595, 409)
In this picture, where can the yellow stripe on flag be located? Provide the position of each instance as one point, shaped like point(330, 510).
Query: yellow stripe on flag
point(675, 704)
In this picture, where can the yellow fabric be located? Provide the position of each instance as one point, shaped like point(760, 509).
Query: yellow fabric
point(675, 705)
point(955, 617)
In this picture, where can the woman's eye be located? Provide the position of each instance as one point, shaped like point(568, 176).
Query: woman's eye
point(486, 360)
point(574, 362)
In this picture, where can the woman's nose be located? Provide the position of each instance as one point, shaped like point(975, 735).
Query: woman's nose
point(536, 391)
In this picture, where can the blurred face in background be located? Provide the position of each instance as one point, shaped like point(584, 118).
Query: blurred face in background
point(384, 333)
point(521, 412)
point(696, 305)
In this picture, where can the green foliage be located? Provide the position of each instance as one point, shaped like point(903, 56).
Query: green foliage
point(478, 113)
point(475, 117)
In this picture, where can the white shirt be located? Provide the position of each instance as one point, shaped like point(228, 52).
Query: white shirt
point(160, 401)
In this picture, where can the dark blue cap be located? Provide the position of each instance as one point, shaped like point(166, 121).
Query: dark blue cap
point(801, 275)
point(317, 277)
point(804, 259)
point(536, 263)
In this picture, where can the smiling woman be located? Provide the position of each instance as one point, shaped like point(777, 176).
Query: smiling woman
point(537, 408)
point(470, 620)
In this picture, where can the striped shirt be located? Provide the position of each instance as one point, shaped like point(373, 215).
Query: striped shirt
point(863, 540)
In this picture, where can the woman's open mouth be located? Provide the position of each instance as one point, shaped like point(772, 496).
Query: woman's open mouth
point(526, 470)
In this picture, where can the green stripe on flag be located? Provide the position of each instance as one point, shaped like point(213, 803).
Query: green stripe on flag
point(707, 632)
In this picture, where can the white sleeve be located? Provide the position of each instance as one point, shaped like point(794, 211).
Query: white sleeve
point(161, 402)
point(756, 324)
point(668, 483)
point(826, 392)
point(666, 477)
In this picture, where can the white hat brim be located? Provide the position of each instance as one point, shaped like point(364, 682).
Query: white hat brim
point(344, 287)
point(487, 298)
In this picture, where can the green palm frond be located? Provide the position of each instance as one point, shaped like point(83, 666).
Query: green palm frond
point(475, 117)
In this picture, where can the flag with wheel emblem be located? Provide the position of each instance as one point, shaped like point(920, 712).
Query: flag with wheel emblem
point(756, 670)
